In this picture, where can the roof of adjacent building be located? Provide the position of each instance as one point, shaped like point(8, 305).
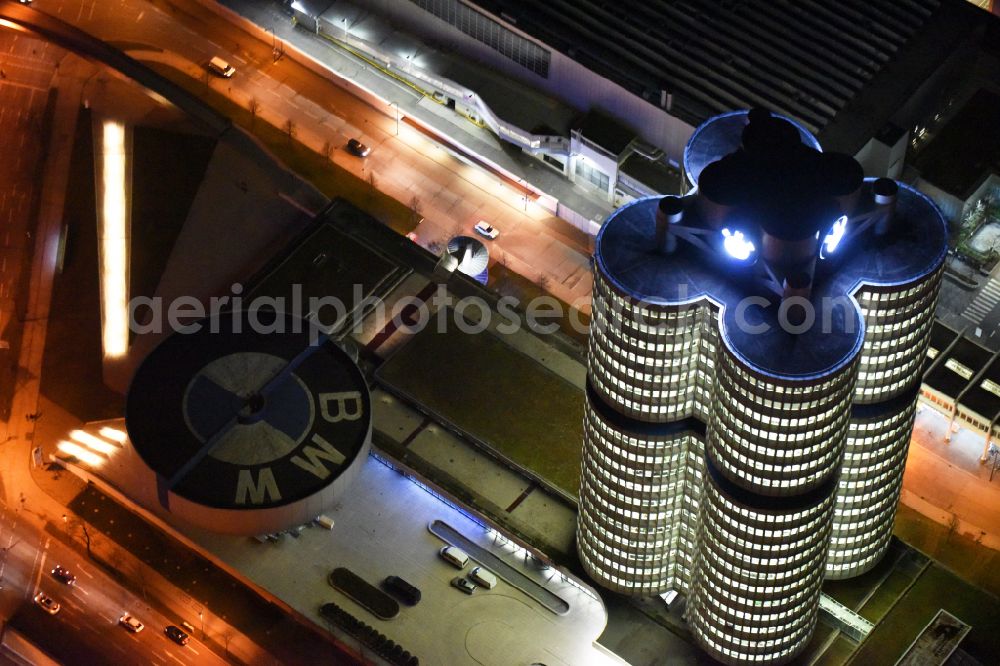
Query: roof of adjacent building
point(956, 374)
point(802, 59)
point(605, 131)
point(655, 174)
point(914, 247)
point(966, 149)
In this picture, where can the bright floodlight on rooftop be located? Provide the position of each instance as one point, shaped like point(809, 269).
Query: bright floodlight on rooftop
point(836, 234)
point(736, 245)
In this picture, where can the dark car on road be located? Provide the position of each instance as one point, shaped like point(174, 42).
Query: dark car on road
point(358, 148)
point(63, 575)
point(402, 590)
point(176, 634)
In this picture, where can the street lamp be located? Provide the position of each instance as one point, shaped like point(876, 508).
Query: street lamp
point(396, 104)
point(277, 47)
point(201, 616)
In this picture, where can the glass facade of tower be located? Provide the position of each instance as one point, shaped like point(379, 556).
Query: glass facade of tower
point(742, 469)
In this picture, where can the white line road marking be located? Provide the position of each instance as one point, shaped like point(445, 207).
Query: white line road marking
point(193, 650)
point(41, 565)
point(139, 17)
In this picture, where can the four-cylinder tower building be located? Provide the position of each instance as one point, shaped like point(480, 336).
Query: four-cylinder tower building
point(753, 372)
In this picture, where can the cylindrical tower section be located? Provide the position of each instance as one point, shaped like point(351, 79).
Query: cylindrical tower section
point(636, 532)
point(773, 455)
point(898, 316)
point(869, 486)
point(775, 437)
point(755, 591)
point(644, 359)
point(642, 451)
point(898, 322)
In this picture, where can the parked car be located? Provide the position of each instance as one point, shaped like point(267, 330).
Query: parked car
point(176, 634)
point(358, 148)
point(63, 575)
point(482, 577)
point(454, 556)
point(464, 584)
point(219, 66)
point(488, 230)
point(402, 590)
point(131, 624)
point(47, 603)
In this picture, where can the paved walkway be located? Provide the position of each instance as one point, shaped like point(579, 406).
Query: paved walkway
point(946, 482)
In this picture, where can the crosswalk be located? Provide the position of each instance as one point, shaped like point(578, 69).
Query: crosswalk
point(984, 302)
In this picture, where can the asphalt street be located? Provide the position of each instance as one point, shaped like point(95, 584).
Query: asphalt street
point(86, 629)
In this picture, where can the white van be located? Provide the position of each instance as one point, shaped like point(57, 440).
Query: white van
point(221, 67)
point(454, 556)
point(483, 578)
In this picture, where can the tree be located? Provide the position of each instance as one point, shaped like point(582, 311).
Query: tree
point(952, 525)
point(544, 281)
point(415, 209)
point(290, 128)
point(254, 108)
point(328, 151)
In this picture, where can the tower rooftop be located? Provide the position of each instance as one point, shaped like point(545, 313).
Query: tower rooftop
point(914, 247)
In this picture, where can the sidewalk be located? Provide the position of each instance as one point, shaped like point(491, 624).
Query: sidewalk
point(946, 483)
point(475, 139)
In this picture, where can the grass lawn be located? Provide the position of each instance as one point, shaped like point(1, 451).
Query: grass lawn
point(838, 653)
point(495, 393)
point(330, 179)
point(508, 283)
point(974, 562)
point(935, 588)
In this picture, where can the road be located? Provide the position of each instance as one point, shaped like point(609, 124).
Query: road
point(26, 69)
point(451, 194)
point(31, 214)
point(87, 623)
